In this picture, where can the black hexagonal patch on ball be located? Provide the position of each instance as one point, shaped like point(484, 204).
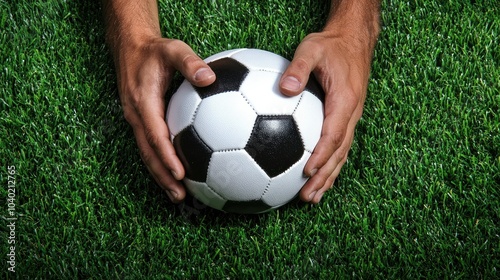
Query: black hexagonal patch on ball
point(193, 153)
point(229, 75)
point(275, 143)
point(246, 207)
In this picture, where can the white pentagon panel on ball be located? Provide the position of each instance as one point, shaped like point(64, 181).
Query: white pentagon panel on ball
point(285, 186)
point(256, 59)
point(236, 176)
point(204, 194)
point(261, 89)
point(224, 121)
point(309, 117)
point(182, 107)
point(223, 54)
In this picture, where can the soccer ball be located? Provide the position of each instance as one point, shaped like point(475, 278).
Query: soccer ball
point(243, 144)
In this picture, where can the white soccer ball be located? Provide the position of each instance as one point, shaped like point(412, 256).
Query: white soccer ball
point(244, 144)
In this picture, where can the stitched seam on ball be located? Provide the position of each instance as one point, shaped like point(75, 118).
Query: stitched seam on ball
point(195, 112)
point(251, 132)
point(229, 150)
point(297, 162)
point(266, 189)
point(235, 52)
point(268, 70)
point(246, 100)
point(295, 121)
point(298, 103)
point(215, 192)
point(307, 150)
point(289, 168)
point(212, 189)
point(300, 133)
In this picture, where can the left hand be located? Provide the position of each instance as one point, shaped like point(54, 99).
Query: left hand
point(342, 69)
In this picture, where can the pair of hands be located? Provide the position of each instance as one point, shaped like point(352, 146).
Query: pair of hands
point(145, 74)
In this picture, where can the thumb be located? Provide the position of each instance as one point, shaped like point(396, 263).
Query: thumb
point(191, 66)
point(295, 78)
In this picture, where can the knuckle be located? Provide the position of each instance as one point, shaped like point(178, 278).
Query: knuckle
point(146, 157)
point(336, 139)
point(350, 95)
point(343, 158)
point(173, 45)
point(339, 158)
point(329, 183)
point(314, 43)
point(313, 38)
point(151, 137)
point(181, 55)
point(130, 109)
point(189, 60)
point(342, 153)
point(129, 116)
point(351, 99)
point(301, 65)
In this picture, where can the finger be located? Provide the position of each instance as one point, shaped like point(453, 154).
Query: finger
point(192, 67)
point(323, 179)
point(306, 58)
point(331, 179)
point(328, 184)
point(316, 184)
point(157, 135)
point(162, 175)
point(326, 147)
point(339, 121)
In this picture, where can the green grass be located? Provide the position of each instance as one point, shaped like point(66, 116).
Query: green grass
point(418, 198)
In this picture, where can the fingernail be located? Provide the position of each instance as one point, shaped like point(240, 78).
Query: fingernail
point(203, 74)
point(311, 196)
point(176, 176)
point(312, 172)
point(290, 83)
point(172, 195)
point(320, 196)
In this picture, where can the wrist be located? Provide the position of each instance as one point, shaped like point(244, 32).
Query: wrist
point(130, 24)
point(126, 40)
point(356, 23)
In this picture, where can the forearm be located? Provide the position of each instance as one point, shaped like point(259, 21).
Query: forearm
point(130, 22)
point(357, 21)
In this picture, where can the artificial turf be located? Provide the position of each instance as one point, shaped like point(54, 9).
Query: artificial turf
point(418, 198)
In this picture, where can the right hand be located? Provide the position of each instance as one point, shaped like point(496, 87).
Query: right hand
point(144, 72)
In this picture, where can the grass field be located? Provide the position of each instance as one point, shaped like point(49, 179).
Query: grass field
point(418, 198)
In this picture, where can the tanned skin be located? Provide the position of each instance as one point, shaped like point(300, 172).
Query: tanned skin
point(339, 56)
